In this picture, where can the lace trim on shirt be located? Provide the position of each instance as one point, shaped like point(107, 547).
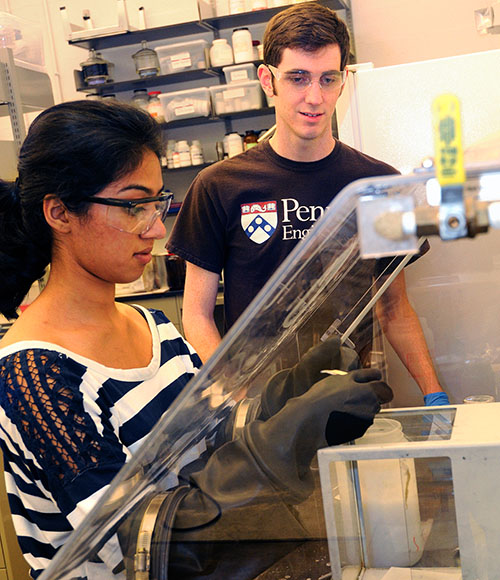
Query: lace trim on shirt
point(41, 396)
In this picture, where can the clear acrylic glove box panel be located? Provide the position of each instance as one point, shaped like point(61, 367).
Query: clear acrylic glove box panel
point(230, 484)
point(418, 501)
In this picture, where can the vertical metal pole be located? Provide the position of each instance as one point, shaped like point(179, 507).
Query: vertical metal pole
point(359, 511)
point(12, 96)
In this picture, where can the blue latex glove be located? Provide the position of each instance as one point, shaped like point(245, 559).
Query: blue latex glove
point(435, 399)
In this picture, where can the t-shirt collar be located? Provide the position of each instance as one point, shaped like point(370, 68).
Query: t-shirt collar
point(305, 166)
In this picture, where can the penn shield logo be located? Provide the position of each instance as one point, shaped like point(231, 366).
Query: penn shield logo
point(259, 220)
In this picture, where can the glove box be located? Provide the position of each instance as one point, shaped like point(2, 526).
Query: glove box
point(420, 503)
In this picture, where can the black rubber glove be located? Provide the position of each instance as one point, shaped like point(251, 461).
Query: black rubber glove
point(276, 454)
point(296, 381)
point(337, 409)
point(259, 475)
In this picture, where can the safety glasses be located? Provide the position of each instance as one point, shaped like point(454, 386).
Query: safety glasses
point(134, 216)
point(299, 80)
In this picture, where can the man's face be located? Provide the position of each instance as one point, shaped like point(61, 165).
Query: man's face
point(303, 117)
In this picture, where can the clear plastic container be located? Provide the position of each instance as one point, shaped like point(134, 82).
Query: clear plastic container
point(186, 104)
point(96, 70)
point(141, 99)
point(479, 399)
point(182, 56)
point(237, 6)
point(221, 7)
point(258, 4)
point(240, 73)
point(390, 501)
point(23, 37)
point(146, 61)
point(243, 96)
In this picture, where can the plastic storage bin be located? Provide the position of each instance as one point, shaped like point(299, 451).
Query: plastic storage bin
point(185, 104)
point(182, 56)
point(236, 97)
point(240, 73)
point(23, 37)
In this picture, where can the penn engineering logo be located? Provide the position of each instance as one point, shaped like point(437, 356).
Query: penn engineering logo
point(259, 220)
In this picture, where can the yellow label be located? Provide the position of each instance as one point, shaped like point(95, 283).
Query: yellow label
point(449, 156)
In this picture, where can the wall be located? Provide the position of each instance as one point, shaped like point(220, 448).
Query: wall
point(389, 32)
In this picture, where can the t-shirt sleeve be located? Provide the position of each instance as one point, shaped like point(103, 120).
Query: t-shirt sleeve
point(385, 266)
point(70, 446)
point(199, 231)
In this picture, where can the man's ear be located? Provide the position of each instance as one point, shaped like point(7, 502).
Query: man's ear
point(266, 80)
point(56, 214)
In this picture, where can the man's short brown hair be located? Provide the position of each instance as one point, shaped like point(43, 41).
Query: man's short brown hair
point(308, 26)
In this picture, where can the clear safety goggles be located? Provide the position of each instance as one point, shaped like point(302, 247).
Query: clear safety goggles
point(134, 216)
point(299, 81)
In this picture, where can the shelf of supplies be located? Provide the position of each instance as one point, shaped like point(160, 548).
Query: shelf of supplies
point(143, 83)
point(153, 81)
point(260, 16)
point(136, 36)
point(195, 27)
point(219, 118)
point(182, 169)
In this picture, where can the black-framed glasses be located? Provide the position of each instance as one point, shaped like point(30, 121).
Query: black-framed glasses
point(134, 216)
point(300, 80)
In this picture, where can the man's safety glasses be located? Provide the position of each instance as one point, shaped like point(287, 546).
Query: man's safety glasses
point(298, 80)
point(134, 216)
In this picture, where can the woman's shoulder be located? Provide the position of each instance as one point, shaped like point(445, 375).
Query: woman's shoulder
point(32, 324)
point(35, 359)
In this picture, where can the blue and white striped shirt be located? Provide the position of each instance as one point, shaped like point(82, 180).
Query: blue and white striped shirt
point(68, 424)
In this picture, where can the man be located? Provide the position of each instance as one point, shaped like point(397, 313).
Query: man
point(294, 175)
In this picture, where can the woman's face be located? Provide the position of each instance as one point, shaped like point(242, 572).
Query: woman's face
point(106, 253)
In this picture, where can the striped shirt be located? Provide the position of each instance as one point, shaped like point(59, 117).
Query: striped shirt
point(68, 424)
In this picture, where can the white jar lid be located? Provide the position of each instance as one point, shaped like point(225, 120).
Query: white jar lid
point(382, 431)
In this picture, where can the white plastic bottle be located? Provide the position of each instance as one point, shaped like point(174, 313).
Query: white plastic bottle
point(234, 144)
point(184, 153)
point(242, 45)
point(221, 53)
point(170, 153)
point(390, 501)
point(176, 158)
point(196, 153)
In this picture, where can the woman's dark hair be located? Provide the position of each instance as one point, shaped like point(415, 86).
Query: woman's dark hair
point(72, 150)
point(308, 26)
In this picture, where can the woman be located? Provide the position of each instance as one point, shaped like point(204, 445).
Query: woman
point(84, 379)
point(108, 370)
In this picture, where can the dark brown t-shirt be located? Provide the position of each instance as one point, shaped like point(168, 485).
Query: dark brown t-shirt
point(245, 215)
